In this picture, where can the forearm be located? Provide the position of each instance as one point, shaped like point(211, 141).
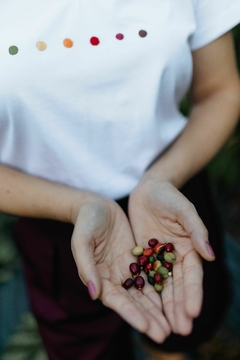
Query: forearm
point(210, 124)
point(215, 94)
point(25, 195)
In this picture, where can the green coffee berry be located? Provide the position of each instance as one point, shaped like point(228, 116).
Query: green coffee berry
point(169, 257)
point(158, 287)
point(137, 250)
point(163, 271)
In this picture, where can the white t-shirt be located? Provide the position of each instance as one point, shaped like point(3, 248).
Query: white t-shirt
point(89, 90)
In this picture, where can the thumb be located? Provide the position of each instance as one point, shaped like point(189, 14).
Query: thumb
point(199, 235)
point(83, 253)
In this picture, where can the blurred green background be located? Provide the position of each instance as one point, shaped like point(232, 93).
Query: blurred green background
point(19, 338)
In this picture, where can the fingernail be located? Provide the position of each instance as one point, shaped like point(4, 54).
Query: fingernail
point(210, 249)
point(91, 289)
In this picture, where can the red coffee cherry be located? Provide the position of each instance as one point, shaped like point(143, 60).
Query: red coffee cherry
point(153, 242)
point(134, 268)
point(169, 247)
point(148, 252)
point(142, 260)
point(159, 248)
point(139, 282)
point(148, 267)
point(128, 283)
point(167, 265)
point(157, 278)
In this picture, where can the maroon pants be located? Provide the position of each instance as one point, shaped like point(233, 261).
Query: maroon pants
point(74, 327)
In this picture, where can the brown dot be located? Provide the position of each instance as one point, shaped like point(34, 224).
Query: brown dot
point(142, 33)
point(41, 45)
point(68, 43)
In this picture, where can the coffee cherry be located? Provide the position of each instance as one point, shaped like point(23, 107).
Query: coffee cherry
point(139, 282)
point(148, 267)
point(151, 273)
point(127, 283)
point(151, 280)
point(163, 271)
point(169, 247)
point(134, 268)
point(142, 260)
point(153, 242)
point(151, 259)
point(160, 256)
point(148, 252)
point(137, 250)
point(169, 257)
point(159, 248)
point(156, 265)
point(158, 287)
point(157, 278)
point(167, 265)
point(157, 262)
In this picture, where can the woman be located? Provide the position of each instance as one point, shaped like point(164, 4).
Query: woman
point(92, 140)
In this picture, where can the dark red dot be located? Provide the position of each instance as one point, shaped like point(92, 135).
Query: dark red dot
point(94, 40)
point(119, 36)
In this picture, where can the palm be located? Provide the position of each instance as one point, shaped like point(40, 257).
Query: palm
point(102, 248)
point(163, 213)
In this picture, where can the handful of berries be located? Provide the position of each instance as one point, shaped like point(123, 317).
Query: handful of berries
point(156, 261)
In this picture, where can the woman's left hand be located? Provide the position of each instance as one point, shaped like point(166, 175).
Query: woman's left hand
point(158, 210)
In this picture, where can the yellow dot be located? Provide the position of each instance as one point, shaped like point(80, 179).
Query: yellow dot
point(68, 43)
point(41, 45)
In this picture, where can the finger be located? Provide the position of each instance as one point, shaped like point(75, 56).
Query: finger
point(167, 296)
point(193, 278)
point(136, 311)
point(151, 293)
point(195, 227)
point(183, 320)
point(83, 253)
point(150, 300)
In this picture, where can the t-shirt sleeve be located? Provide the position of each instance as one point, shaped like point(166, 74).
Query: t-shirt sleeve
point(213, 19)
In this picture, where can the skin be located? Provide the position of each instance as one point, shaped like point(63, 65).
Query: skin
point(103, 236)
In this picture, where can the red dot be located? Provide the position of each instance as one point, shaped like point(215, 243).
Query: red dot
point(94, 40)
point(119, 36)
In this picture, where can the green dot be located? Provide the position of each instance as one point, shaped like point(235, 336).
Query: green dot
point(13, 50)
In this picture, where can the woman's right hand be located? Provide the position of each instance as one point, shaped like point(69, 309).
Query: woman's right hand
point(101, 244)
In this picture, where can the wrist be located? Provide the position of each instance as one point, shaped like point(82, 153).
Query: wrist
point(78, 199)
point(170, 168)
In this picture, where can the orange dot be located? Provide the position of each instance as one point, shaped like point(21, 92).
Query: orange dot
point(68, 43)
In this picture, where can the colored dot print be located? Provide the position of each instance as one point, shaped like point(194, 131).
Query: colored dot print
point(41, 45)
point(68, 43)
point(13, 50)
point(119, 36)
point(142, 33)
point(94, 41)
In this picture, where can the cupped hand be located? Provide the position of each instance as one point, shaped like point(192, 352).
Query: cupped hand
point(158, 210)
point(101, 244)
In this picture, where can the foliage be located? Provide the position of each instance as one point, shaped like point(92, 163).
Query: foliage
point(26, 343)
point(225, 167)
point(9, 259)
